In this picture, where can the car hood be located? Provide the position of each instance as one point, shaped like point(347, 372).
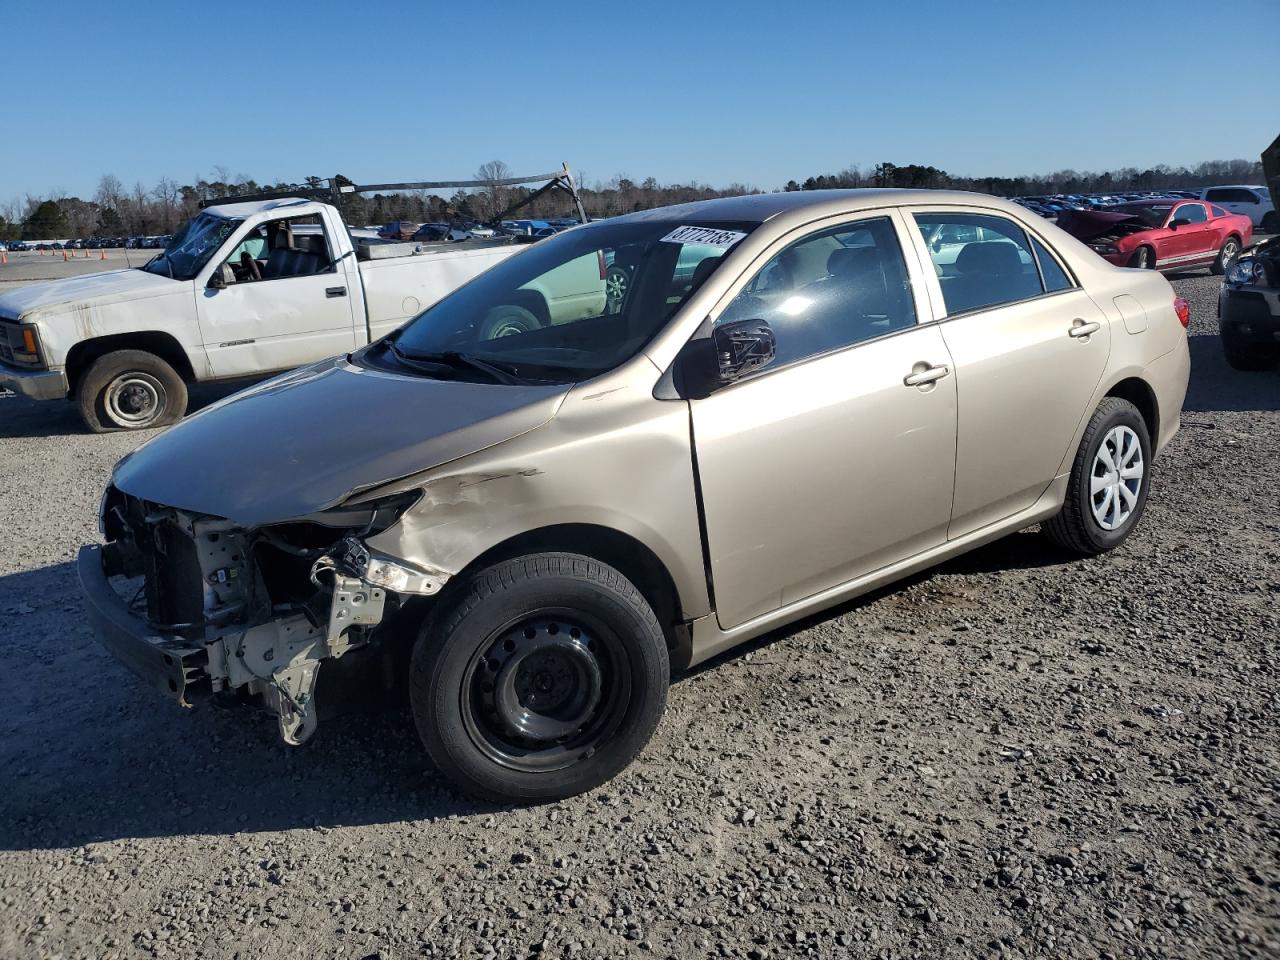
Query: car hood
point(92, 287)
point(1086, 225)
point(309, 439)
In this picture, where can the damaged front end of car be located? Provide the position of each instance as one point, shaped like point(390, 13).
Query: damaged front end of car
point(200, 606)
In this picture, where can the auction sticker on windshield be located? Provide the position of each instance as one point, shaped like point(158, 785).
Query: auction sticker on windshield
point(707, 236)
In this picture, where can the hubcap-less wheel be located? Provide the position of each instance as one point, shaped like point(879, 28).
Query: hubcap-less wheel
point(1143, 260)
point(615, 289)
point(1229, 251)
point(134, 399)
point(1117, 478)
point(548, 691)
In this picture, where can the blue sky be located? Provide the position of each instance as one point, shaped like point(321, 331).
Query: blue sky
point(748, 92)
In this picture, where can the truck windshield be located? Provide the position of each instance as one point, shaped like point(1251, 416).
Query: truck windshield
point(570, 307)
point(192, 247)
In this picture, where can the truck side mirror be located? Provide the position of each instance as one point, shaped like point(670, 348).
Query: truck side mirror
point(218, 279)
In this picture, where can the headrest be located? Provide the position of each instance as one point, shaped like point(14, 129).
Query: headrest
point(702, 271)
point(989, 256)
point(310, 243)
point(283, 239)
point(852, 260)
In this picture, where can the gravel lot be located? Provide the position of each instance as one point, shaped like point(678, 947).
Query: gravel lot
point(1017, 754)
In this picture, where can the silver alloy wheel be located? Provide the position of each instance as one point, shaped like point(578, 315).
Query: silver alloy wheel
point(615, 289)
point(134, 399)
point(1117, 478)
point(1144, 258)
point(1229, 251)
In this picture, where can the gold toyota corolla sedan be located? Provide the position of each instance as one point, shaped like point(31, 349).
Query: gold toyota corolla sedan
point(628, 448)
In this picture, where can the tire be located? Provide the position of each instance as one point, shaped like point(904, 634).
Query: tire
point(130, 390)
point(507, 320)
point(1250, 359)
point(1077, 526)
point(1270, 222)
point(1226, 256)
point(617, 281)
point(557, 626)
point(1144, 258)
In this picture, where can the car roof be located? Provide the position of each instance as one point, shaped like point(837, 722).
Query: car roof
point(759, 207)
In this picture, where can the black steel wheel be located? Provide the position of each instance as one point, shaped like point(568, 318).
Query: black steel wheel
point(541, 678)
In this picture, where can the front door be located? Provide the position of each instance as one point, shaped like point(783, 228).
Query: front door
point(1030, 347)
point(284, 302)
point(825, 465)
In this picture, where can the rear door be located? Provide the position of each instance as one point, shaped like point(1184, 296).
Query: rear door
point(838, 458)
point(1029, 347)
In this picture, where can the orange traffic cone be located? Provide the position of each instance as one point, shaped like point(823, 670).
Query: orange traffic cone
point(102, 254)
point(64, 253)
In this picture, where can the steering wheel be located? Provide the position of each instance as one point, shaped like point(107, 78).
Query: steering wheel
point(250, 265)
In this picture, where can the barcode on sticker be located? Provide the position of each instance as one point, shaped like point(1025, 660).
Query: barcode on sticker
point(707, 236)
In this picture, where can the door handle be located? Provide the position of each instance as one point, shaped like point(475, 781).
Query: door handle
point(1081, 329)
point(335, 291)
point(922, 375)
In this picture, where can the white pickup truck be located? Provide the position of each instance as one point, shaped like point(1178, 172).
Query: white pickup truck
point(244, 290)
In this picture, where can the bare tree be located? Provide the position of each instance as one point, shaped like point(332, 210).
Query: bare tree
point(492, 200)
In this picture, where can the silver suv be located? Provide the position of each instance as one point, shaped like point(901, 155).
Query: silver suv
point(538, 498)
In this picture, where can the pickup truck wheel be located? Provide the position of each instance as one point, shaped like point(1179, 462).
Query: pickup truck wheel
point(1143, 259)
point(1107, 492)
point(1226, 256)
point(616, 283)
point(541, 679)
point(506, 321)
point(130, 390)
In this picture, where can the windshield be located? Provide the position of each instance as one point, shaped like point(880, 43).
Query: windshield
point(192, 246)
point(1152, 214)
point(569, 308)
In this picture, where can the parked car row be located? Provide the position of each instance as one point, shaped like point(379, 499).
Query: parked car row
point(1250, 201)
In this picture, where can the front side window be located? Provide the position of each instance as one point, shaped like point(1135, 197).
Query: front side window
point(567, 308)
point(1191, 212)
point(830, 290)
point(994, 270)
point(276, 249)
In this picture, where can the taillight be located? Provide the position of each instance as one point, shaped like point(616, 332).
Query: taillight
point(604, 270)
point(1183, 310)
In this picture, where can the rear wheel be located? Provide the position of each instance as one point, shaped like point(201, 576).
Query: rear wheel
point(506, 321)
point(1226, 256)
point(130, 390)
point(1143, 258)
point(543, 678)
point(1271, 223)
point(1107, 492)
point(1242, 356)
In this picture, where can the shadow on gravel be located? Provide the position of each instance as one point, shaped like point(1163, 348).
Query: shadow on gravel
point(20, 417)
point(89, 753)
point(1215, 386)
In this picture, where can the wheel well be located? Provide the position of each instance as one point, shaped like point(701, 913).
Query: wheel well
point(535, 303)
point(163, 345)
point(624, 553)
point(1138, 393)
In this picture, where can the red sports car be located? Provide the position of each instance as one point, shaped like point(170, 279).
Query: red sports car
point(1162, 234)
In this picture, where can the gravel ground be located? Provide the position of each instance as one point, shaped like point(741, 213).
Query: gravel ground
point(1016, 754)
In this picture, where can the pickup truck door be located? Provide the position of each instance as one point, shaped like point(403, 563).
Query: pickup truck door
point(838, 458)
point(301, 310)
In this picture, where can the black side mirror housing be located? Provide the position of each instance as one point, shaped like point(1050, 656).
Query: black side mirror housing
point(217, 281)
point(1180, 222)
point(733, 351)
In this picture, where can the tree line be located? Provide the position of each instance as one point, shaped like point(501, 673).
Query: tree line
point(115, 210)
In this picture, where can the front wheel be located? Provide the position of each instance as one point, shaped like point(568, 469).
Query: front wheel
point(543, 678)
point(130, 390)
point(1270, 222)
point(1107, 491)
point(1143, 259)
point(1226, 256)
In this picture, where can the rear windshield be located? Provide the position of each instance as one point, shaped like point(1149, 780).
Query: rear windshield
point(574, 305)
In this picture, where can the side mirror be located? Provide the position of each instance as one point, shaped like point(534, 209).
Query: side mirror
point(1180, 222)
point(743, 347)
point(729, 354)
point(217, 281)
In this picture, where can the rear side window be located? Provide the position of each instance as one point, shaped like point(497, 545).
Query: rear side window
point(1217, 211)
point(832, 289)
point(1051, 272)
point(997, 269)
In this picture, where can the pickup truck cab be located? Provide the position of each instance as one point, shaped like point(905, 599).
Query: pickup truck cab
point(245, 289)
